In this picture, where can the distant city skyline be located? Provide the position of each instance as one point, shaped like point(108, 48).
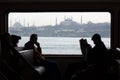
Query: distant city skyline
point(53, 18)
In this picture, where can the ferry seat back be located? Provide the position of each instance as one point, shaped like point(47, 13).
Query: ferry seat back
point(28, 55)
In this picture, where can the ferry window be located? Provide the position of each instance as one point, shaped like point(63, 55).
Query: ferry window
point(59, 32)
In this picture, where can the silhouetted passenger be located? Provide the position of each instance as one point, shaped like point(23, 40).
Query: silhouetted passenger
point(32, 43)
point(97, 56)
point(15, 40)
point(10, 59)
point(7, 38)
point(52, 71)
point(93, 67)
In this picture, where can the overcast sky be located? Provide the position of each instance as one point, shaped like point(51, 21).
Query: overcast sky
point(49, 18)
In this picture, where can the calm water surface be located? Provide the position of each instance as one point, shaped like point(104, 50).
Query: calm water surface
point(61, 45)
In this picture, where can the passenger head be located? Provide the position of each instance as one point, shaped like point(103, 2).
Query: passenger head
point(15, 40)
point(33, 38)
point(7, 37)
point(96, 38)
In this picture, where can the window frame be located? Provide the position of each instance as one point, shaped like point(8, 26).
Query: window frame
point(57, 7)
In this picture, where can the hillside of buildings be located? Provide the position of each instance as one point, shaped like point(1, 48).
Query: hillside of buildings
point(67, 28)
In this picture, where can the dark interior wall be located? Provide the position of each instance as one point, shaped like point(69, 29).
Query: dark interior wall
point(59, 0)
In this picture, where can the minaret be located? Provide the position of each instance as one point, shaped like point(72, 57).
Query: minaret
point(33, 23)
point(72, 18)
point(81, 20)
point(64, 18)
point(56, 21)
point(28, 24)
point(24, 23)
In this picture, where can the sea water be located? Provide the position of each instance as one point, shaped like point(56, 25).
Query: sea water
point(62, 45)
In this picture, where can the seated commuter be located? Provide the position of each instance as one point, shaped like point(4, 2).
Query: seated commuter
point(93, 67)
point(10, 58)
point(96, 56)
point(33, 44)
point(52, 71)
point(15, 40)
